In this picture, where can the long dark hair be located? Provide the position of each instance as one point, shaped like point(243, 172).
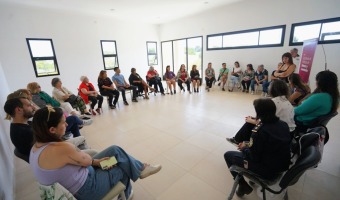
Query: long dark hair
point(101, 74)
point(327, 81)
point(265, 110)
point(278, 88)
point(296, 80)
point(43, 120)
point(289, 56)
point(250, 67)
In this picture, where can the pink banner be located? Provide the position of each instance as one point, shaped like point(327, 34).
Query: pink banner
point(306, 61)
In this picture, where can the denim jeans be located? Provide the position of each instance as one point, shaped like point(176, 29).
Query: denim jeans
point(99, 182)
point(73, 123)
point(234, 81)
point(265, 85)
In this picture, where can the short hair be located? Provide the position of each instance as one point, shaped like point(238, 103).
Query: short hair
point(55, 81)
point(43, 120)
point(151, 68)
point(278, 88)
point(133, 69)
point(82, 78)
point(11, 105)
point(262, 66)
point(265, 110)
point(115, 68)
point(33, 87)
point(224, 64)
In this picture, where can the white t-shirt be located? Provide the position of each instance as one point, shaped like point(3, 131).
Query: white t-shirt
point(285, 111)
point(296, 61)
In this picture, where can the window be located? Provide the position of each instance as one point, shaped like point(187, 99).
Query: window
point(151, 48)
point(110, 56)
point(43, 57)
point(327, 30)
point(186, 51)
point(255, 38)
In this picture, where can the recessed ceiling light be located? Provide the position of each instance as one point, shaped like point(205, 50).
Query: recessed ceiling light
point(206, 2)
point(112, 9)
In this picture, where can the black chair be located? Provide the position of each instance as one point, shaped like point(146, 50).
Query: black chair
point(21, 156)
point(308, 159)
point(323, 120)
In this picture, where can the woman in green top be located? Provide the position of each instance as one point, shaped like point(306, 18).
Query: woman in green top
point(324, 100)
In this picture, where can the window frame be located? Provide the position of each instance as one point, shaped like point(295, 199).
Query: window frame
point(248, 31)
point(109, 55)
point(150, 54)
point(34, 59)
point(322, 21)
point(172, 46)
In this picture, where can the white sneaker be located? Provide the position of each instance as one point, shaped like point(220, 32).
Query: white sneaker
point(252, 92)
point(87, 122)
point(149, 170)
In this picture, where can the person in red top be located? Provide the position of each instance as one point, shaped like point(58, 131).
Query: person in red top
point(183, 77)
point(89, 93)
point(154, 79)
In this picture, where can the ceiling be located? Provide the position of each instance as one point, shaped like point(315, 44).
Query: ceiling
point(146, 11)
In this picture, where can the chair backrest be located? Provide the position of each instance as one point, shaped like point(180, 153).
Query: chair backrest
point(323, 120)
point(309, 158)
point(21, 155)
point(312, 137)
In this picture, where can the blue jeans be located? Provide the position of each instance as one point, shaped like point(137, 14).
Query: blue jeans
point(99, 182)
point(234, 81)
point(73, 123)
point(265, 85)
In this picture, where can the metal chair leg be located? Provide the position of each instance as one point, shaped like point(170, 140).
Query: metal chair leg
point(232, 193)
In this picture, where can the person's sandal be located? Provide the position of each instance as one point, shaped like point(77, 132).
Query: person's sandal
point(98, 111)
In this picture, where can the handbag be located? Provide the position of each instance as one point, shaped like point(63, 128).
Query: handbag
point(71, 99)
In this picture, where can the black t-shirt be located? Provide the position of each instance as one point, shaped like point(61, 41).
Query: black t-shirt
point(106, 82)
point(22, 137)
point(134, 77)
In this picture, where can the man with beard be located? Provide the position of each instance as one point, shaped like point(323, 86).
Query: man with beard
point(21, 134)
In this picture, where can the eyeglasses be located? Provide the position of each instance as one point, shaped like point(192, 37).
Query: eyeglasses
point(50, 109)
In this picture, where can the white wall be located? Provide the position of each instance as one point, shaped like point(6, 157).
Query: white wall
point(76, 38)
point(6, 151)
point(257, 14)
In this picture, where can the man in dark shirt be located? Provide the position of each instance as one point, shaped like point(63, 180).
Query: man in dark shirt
point(21, 133)
point(260, 77)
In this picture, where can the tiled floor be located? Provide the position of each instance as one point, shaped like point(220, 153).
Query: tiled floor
point(186, 134)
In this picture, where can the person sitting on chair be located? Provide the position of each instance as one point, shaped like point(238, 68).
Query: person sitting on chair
point(209, 76)
point(41, 99)
point(248, 75)
point(195, 78)
point(285, 70)
point(154, 79)
point(106, 88)
point(299, 89)
point(324, 100)
point(284, 111)
point(20, 110)
point(170, 78)
point(223, 76)
point(183, 77)
point(54, 160)
point(137, 81)
point(62, 94)
point(235, 76)
point(122, 85)
point(89, 93)
point(267, 153)
point(260, 77)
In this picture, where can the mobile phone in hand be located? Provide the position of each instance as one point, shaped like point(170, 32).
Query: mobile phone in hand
point(105, 164)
